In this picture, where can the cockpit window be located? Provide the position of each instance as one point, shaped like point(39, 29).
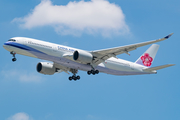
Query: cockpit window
point(12, 40)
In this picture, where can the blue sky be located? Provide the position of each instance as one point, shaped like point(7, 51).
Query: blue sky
point(28, 95)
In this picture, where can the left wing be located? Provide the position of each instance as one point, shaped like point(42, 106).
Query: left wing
point(102, 55)
point(61, 68)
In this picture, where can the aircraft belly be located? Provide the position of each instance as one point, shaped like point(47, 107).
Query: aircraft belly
point(117, 66)
point(71, 64)
point(63, 61)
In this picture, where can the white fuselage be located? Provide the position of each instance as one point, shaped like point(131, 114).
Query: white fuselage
point(55, 53)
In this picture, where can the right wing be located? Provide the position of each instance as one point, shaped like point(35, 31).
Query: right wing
point(102, 55)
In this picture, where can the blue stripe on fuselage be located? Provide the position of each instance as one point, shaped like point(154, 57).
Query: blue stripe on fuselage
point(23, 47)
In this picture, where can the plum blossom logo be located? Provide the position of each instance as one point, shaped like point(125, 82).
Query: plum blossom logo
point(146, 59)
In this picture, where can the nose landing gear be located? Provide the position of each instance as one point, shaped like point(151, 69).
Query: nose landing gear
point(14, 58)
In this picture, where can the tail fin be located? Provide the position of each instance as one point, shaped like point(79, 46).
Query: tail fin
point(148, 57)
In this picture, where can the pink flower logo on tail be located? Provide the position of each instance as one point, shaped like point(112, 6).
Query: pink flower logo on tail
point(147, 60)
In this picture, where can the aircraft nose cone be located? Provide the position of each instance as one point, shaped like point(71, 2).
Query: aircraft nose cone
point(5, 46)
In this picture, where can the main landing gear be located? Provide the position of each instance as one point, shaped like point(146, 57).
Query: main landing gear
point(93, 72)
point(74, 77)
point(14, 58)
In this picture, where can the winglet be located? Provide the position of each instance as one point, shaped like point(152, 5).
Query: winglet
point(169, 36)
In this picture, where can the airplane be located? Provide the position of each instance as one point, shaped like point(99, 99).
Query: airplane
point(68, 59)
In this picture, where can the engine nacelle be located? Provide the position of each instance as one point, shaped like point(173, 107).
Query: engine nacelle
point(82, 56)
point(46, 68)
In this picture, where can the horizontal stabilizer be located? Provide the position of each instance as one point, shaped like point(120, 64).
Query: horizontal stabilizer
point(157, 68)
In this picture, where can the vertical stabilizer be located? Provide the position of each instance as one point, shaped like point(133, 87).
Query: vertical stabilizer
point(148, 57)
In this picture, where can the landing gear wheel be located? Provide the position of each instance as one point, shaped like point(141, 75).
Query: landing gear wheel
point(70, 78)
point(73, 77)
point(93, 72)
point(14, 59)
point(78, 77)
point(88, 72)
point(97, 71)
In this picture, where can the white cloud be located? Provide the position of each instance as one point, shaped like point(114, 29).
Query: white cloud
point(22, 76)
point(75, 18)
point(20, 116)
point(29, 78)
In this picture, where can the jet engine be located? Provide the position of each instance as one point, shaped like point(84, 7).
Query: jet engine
point(82, 56)
point(46, 68)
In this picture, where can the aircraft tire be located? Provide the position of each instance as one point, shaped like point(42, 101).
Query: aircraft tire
point(74, 77)
point(97, 71)
point(14, 59)
point(70, 78)
point(89, 72)
point(78, 77)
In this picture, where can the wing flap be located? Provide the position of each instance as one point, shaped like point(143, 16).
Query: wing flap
point(61, 68)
